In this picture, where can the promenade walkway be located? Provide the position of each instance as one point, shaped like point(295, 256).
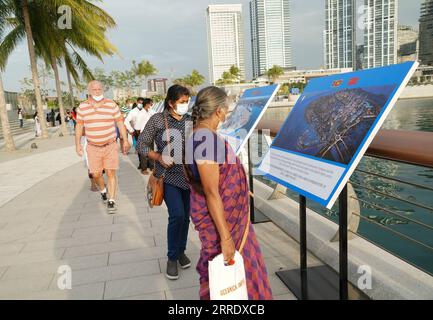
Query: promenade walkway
point(50, 218)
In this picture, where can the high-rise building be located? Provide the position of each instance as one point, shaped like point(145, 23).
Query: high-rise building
point(426, 33)
point(380, 34)
point(340, 34)
point(225, 39)
point(407, 38)
point(270, 35)
point(158, 85)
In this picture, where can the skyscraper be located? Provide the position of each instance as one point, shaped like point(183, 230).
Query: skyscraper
point(340, 34)
point(270, 35)
point(407, 38)
point(225, 39)
point(426, 33)
point(380, 34)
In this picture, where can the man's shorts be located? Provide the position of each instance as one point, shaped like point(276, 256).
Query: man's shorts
point(100, 158)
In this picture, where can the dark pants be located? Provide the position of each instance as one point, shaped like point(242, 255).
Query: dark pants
point(21, 123)
point(145, 162)
point(177, 201)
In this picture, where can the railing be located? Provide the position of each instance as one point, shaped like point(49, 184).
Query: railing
point(404, 148)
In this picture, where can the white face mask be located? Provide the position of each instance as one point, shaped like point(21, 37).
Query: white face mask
point(98, 98)
point(140, 106)
point(182, 109)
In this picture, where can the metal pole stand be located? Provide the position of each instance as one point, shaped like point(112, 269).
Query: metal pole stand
point(256, 215)
point(321, 282)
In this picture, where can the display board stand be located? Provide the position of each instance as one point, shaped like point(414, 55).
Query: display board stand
point(321, 283)
point(256, 216)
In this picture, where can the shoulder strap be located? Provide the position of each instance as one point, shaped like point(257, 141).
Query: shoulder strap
point(244, 238)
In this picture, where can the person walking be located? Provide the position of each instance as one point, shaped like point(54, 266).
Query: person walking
point(168, 158)
point(135, 123)
point(70, 123)
point(220, 197)
point(21, 117)
point(100, 117)
point(37, 125)
point(53, 118)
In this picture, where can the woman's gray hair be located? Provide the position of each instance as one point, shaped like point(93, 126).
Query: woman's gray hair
point(207, 102)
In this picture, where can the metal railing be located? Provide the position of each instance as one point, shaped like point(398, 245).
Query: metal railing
point(402, 147)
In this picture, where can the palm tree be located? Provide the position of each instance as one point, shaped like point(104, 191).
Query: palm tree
point(32, 54)
point(7, 134)
point(193, 80)
point(144, 69)
point(274, 73)
point(235, 72)
point(53, 44)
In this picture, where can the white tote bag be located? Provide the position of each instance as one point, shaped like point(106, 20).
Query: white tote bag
point(229, 282)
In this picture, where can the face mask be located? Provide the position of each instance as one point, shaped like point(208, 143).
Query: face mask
point(182, 109)
point(140, 106)
point(98, 98)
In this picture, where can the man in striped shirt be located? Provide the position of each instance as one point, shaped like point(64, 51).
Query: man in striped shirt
point(99, 117)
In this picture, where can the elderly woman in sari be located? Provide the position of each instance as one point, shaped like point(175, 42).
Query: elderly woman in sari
point(220, 197)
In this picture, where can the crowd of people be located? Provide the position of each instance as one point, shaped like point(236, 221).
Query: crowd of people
point(203, 179)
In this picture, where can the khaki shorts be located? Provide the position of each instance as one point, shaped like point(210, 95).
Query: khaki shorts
point(100, 158)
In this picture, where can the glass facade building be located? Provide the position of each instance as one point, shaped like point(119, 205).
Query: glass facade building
point(340, 34)
point(426, 33)
point(380, 34)
point(225, 39)
point(270, 35)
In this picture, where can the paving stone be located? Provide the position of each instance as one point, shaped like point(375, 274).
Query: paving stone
point(3, 271)
point(26, 258)
point(10, 249)
point(145, 254)
point(85, 292)
point(107, 273)
point(20, 287)
point(107, 229)
point(108, 247)
point(151, 296)
point(66, 243)
point(289, 296)
point(52, 235)
point(148, 284)
point(50, 267)
point(183, 294)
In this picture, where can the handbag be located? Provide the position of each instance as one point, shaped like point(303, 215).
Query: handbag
point(229, 282)
point(155, 186)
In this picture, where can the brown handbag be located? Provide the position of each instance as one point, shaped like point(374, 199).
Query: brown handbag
point(155, 186)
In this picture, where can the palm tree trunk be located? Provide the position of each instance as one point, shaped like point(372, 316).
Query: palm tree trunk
point(59, 95)
point(36, 82)
point(7, 134)
point(71, 89)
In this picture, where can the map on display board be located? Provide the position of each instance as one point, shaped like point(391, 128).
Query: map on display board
point(246, 115)
point(330, 128)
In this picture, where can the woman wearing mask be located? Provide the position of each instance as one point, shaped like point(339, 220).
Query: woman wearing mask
point(220, 197)
point(176, 188)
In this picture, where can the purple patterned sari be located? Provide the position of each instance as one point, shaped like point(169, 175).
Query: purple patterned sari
point(234, 192)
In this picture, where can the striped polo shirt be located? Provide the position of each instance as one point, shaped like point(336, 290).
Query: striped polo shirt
point(99, 120)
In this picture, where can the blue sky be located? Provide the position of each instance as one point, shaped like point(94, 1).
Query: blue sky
point(172, 35)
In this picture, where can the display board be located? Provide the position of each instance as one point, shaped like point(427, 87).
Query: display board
point(246, 115)
point(330, 128)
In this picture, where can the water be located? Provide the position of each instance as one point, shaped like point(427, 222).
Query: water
point(407, 219)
